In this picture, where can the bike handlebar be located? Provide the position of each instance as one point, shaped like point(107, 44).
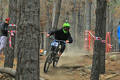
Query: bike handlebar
point(53, 38)
point(60, 41)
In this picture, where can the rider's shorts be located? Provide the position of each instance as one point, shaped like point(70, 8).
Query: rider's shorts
point(62, 47)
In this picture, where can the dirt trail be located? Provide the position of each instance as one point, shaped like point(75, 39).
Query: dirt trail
point(79, 67)
point(68, 68)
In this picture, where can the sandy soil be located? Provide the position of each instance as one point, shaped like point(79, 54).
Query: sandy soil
point(79, 68)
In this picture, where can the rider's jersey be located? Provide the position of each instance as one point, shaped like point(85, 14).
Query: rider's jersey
point(4, 31)
point(60, 35)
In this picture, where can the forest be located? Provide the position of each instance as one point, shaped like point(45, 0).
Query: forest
point(92, 55)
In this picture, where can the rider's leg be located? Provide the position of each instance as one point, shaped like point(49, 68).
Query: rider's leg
point(62, 49)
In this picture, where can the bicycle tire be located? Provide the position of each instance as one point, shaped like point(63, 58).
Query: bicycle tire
point(55, 62)
point(47, 63)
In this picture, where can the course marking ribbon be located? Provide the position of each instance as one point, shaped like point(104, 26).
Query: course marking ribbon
point(12, 32)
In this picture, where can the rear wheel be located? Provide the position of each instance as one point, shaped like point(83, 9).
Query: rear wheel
point(47, 63)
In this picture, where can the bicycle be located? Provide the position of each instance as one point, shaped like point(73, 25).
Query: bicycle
point(52, 56)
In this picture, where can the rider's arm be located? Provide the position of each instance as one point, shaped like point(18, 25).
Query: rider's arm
point(52, 32)
point(70, 38)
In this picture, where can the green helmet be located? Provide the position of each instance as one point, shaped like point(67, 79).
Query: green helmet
point(66, 24)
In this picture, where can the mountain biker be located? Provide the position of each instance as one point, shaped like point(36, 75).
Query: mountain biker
point(4, 34)
point(118, 35)
point(62, 34)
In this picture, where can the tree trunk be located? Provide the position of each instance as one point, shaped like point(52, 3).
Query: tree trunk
point(53, 14)
point(1, 10)
point(28, 40)
point(101, 11)
point(80, 29)
point(88, 18)
point(73, 28)
point(48, 26)
point(79, 26)
point(9, 53)
point(88, 14)
point(96, 61)
point(57, 13)
point(112, 34)
point(99, 47)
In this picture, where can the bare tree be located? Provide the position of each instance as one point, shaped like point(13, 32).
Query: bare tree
point(88, 14)
point(49, 23)
point(56, 10)
point(74, 21)
point(98, 65)
point(80, 29)
point(28, 40)
point(102, 32)
point(1, 10)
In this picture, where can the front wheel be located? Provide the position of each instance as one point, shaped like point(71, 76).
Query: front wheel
point(47, 63)
point(55, 62)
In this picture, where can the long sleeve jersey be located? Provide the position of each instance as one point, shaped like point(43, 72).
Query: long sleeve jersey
point(60, 35)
